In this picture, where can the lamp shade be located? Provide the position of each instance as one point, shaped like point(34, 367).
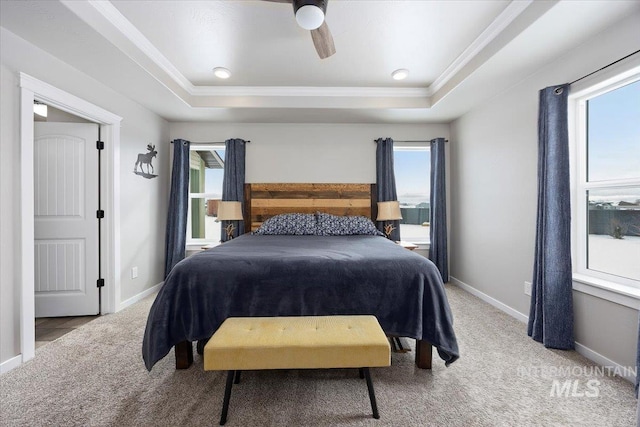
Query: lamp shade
point(229, 211)
point(389, 211)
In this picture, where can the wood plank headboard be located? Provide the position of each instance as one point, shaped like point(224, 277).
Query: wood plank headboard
point(262, 201)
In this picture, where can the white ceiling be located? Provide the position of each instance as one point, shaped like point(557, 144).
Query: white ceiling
point(161, 53)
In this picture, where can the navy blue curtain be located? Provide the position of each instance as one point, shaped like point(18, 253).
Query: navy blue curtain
point(438, 209)
point(176, 235)
point(551, 313)
point(386, 181)
point(233, 181)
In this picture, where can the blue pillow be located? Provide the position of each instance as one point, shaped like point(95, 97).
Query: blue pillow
point(334, 225)
point(289, 223)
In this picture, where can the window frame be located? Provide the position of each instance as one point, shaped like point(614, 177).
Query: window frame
point(190, 241)
point(414, 146)
point(625, 291)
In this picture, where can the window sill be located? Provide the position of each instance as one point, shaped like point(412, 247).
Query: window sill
point(195, 246)
point(421, 243)
point(626, 295)
point(422, 246)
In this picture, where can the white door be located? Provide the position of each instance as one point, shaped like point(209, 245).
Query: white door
point(66, 227)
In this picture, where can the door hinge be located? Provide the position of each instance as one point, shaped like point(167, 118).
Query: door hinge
point(100, 145)
point(100, 283)
point(99, 214)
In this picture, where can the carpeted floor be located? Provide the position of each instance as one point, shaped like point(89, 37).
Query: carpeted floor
point(94, 376)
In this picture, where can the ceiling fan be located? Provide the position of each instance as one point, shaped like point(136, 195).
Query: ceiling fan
point(310, 16)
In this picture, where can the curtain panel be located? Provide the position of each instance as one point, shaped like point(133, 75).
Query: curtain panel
point(176, 234)
point(438, 251)
point(233, 181)
point(551, 312)
point(386, 181)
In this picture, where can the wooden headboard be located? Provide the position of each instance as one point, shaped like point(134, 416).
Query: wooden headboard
point(262, 201)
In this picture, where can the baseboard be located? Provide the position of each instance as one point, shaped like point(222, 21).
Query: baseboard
point(134, 299)
point(10, 364)
point(625, 372)
point(492, 301)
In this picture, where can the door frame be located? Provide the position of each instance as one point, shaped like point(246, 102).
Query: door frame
point(32, 89)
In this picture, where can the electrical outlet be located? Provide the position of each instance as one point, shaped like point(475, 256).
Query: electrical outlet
point(134, 272)
point(527, 288)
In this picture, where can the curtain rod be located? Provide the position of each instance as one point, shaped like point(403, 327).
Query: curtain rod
point(207, 143)
point(416, 140)
point(606, 66)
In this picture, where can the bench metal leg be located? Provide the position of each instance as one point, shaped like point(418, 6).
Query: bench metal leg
point(361, 371)
point(372, 394)
point(227, 396)
point(237, 380)
point(200, 346)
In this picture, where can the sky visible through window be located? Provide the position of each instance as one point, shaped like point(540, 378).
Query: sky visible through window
point(412, 171)
point(614, 134)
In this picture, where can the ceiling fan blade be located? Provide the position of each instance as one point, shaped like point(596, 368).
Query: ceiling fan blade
point(323, 41)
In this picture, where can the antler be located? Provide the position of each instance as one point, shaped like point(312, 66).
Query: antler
point(149, 147)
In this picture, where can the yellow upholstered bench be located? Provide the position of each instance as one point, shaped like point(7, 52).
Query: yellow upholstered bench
point(302, 342)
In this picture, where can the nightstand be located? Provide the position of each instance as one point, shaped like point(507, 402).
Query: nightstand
point(407, 245)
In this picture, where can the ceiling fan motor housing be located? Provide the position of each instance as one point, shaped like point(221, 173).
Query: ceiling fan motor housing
point(321, 4)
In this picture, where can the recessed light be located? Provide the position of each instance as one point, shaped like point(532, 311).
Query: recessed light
point(400, 74)
point(221, 73)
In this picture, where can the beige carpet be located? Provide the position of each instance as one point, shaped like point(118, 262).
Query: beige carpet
point(94, 376)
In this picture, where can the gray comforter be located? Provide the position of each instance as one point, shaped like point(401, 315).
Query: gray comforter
point(301, 275)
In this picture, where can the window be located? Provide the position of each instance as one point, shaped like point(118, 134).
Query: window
point(607, 183)
point(412, 167)
point(206, 171)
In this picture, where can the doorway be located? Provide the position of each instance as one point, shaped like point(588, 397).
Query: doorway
point(31, 90)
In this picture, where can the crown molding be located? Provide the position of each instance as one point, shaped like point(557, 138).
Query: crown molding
point(133, 35)
point(502, 21)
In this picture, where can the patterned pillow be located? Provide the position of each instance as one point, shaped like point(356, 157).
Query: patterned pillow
point(290, 223)
point(333, 225)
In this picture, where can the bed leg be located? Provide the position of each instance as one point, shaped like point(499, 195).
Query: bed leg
point(184, 354)
point(423, 354)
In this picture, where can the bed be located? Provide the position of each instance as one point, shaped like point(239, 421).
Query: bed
point(310, 274)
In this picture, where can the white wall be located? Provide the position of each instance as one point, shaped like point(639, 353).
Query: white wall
point(144, 205)
point(493, 187)
point(9, 212)
point(308, 152)
point(143, 202)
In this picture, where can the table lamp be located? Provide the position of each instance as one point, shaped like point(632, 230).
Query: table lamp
point(229, 211)
point(389, 211)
